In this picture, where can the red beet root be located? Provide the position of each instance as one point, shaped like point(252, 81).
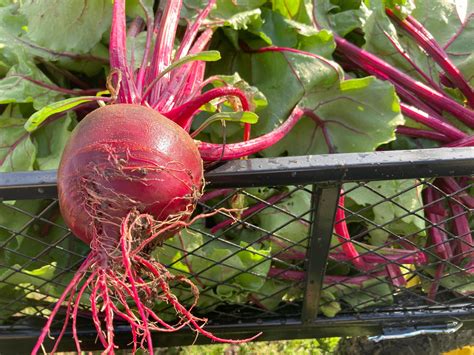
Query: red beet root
point(125, 157)
point(128, 179)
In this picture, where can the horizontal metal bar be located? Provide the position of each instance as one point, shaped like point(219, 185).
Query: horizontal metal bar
point(329, 168)
point(22, 340)
point(28, 185)
point(385, 165)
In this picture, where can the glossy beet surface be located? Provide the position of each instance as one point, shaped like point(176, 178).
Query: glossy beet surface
point(123, 157)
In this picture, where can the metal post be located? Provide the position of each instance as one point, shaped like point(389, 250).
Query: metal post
point(324, 204)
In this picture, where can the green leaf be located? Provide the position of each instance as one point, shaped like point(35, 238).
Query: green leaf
point(296, 10)
point(357, 115)
point(451, 22)
point(404, 193)
point(73, 25)
point(286, 226)
point(340, 16)
point(17, 151)
point(256, 98)
point(51, 140)
point(134, 9)
point(216, 261)
point(16, 285)
point(282, 75)
point(57, 107)
point(14, 88)
point(237, 13)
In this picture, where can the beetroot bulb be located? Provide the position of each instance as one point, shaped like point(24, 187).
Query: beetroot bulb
point(131, 175)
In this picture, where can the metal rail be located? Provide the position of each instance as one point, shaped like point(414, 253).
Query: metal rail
point(326, 168)
point(326, 173)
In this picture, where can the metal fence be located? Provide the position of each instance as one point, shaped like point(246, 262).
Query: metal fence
point(278, 266)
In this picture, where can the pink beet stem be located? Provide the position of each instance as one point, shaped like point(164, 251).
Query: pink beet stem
point(452, 187)
point(422, 133)
point(395, 275)
point(462, 229)
point(464, 142)
point(118, 54)
point(162, 55)
point(209, 195)
point(437, 234)
point(344, 237)
point(183, 114)
point(435, 283)
point(184, 78)
point(374, 65)
point(216, 152)
point(432, 122)
point(406, 56)
point(431, 46)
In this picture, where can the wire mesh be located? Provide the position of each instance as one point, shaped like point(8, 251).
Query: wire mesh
point(399, 245)
point(413, 246)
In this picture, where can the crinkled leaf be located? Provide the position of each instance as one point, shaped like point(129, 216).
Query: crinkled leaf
point(372, 293)
point(293, 225)
point(216, 262)
point(296, 10)
point(257, 263)
point(402, 195)
point(17, 151)
point(451, 22)
point(51, 140)
point(237, 13)
point(280, 75)
point(285, 32)
point(357, 115)
point(256, 98)
point(73, 25)
point(16, 285)
point(14, 88)
point(339, 16)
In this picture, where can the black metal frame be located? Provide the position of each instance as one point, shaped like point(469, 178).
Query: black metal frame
point(326, 173)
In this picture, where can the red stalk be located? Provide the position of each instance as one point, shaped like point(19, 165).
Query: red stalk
point(214, 193)
point(184, 77)
point(452, 187)
point(298, 276)
point(162, 55)
point(216, 152)
point(437, 234)
point(435, 284)
point(432, 122)
point(340, 227)
point(464, 142)
point(405, 55)
point(395, 274)
point(118, 54)
point(183, 114)
point(431, 46)
point(421, 133)
point(374, 65)
point(464, 241)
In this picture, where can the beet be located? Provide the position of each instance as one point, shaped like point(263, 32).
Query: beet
point(127, 157)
